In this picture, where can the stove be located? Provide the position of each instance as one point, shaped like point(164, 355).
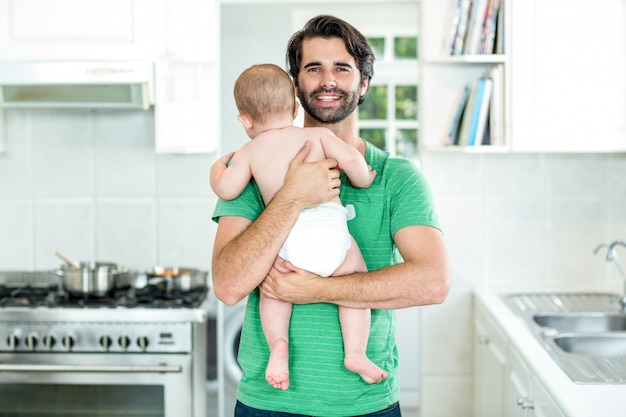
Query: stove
point(152, 339)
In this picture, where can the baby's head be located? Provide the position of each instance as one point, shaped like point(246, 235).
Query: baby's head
point(265, 91)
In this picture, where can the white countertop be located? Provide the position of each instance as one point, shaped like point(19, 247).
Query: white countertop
point(577, 400)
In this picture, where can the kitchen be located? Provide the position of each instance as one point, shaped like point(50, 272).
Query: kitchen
point(90, 183)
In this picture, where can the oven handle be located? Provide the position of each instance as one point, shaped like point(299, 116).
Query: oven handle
point(89, 368)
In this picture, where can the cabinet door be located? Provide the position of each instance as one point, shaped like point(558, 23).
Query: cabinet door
point(568, 83)
point(489, 363)
point(517, 399)
point(544, 405)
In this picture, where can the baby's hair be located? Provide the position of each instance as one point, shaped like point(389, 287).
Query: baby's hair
point(264, 90)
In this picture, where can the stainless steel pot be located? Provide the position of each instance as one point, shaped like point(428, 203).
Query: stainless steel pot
point(176, 278)
point(92, 278)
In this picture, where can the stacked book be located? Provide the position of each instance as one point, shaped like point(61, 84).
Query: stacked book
point(479, 116)
point(476, 28)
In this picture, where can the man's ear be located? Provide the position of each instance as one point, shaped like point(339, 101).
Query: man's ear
point(296, 106)
point(245, 120)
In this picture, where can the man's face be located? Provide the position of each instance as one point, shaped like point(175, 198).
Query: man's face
point(329, 82)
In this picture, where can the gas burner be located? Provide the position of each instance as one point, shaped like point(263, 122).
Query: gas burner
point(54, 296)
point(26, 296)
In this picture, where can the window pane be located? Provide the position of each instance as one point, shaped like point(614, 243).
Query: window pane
point(375, 136)
point(405, 48)
point(375, 104)
point(378, 46)
point(406, 102)
point(406, 143)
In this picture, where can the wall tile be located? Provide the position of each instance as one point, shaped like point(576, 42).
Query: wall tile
point(184, 175)
point(186, 232)
point(63, 161)
point(16, 167)
point(16, 234)
point(126, 231)
point(124, 153)
point(64, 225)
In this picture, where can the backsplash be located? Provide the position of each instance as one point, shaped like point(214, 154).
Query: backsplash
point(90, 185)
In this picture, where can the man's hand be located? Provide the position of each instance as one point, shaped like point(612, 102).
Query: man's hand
point(285, 282)
point(308, 184)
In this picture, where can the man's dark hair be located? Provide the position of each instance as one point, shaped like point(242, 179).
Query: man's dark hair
point(326, 26)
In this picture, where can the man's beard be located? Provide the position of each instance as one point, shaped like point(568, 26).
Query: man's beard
point(329, 115)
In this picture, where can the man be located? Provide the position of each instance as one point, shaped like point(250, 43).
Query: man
point(331, 64)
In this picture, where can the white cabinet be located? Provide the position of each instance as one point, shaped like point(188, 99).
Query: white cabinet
point(503, 384)
point(489, 367)
point(569, 70)
point(564, 76)
point(181, 38)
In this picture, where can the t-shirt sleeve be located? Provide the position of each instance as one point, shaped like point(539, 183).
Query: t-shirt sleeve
point(249, 204)
point(412, 202)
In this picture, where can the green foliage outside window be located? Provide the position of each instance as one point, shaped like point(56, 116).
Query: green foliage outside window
point(406, 143)
point(405, 47)
point(378, 46)
point(375, 105)
point(375, 136)
point(406, 102)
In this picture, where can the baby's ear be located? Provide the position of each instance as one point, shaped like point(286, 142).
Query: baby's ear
point(245, 120)
point(296, 105)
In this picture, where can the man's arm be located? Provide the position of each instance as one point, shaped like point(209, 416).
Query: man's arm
point(244, 251)
point(422, 279)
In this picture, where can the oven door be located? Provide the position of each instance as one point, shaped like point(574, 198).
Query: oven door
point(88, 385)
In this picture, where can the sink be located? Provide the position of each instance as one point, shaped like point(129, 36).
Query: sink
point(585, 333)
point(603, 345)
point(582, 322)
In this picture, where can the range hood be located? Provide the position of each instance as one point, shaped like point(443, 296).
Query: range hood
point(77, 84)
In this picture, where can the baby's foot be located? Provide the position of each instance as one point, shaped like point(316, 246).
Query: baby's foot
point(277, 371)
point(368, 370)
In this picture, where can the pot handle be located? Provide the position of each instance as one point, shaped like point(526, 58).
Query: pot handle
point(58, 273)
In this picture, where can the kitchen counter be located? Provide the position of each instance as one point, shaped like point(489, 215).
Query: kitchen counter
point(576, 400)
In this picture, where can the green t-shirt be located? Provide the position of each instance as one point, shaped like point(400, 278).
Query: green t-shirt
point(319, 383)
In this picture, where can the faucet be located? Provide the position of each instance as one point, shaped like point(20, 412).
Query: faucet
point(611, 255)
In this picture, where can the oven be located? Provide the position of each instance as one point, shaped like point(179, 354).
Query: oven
point(96, 358)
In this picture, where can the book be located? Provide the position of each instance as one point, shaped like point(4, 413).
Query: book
point(469, 109)
point(483, 112)
point(475, 28)
point(491, 28)
point(496, 110)
point(471, 134)
point(460, 35)
point(454, 27)
point(453, 133)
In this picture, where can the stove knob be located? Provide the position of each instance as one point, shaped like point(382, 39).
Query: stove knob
point(13, 341)
point(68, 342)
point(142, 341)
point(105, 342)
point(124, 342)
point(31, 341)
point(49, 341)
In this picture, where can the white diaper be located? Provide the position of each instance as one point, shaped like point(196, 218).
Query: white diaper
point(319, 240)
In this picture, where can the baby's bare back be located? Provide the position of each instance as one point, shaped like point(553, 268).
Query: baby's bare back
point(269, 155)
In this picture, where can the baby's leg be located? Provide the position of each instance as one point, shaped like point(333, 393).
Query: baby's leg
point(355, 328)
point(275, 317)
point(355, 325)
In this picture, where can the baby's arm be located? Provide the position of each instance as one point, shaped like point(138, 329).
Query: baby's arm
point(349, 160)
point(228, 181)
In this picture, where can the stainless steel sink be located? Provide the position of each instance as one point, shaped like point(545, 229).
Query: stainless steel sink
point(585, 333)
point(603, 345)
point(582, 322)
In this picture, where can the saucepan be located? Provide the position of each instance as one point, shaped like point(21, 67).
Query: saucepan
point(89, 278)
point(177, 278)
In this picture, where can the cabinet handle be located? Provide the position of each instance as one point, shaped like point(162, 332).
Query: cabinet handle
point(482, 339)
point(525, 403)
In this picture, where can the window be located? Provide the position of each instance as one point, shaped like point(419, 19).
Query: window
point(388, 116)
